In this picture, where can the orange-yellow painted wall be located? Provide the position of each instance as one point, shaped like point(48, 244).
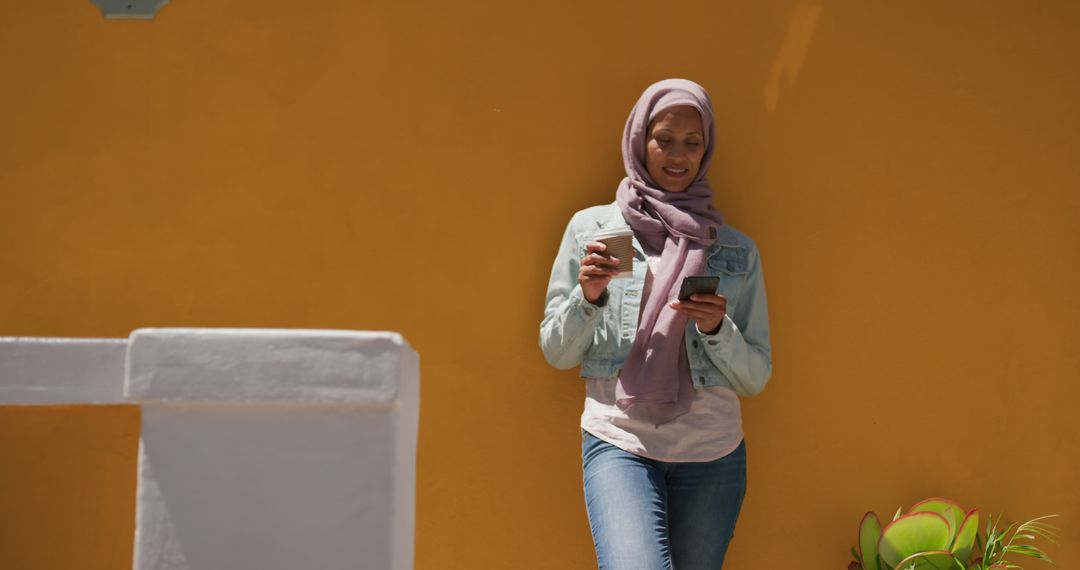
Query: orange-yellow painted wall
point(909, 170)
point(67, 475)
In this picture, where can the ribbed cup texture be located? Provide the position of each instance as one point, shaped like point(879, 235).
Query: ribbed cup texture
point(621, 247)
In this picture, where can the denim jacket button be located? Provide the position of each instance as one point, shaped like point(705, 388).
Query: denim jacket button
point(694, 343)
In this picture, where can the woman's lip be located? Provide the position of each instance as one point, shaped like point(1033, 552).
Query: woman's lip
point(676, 173)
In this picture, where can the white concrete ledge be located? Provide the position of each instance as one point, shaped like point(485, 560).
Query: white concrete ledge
point(61, 370)
point(284, 484)
point(264, 365)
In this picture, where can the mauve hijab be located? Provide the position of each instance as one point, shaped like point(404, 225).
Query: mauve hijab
point(679, 227)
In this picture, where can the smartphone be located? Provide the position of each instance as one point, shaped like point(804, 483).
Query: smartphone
point(698, 284)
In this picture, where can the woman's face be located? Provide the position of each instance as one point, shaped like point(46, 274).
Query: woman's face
point(675, 147)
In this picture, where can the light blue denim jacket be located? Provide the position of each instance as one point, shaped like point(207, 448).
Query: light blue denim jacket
point(576, 332)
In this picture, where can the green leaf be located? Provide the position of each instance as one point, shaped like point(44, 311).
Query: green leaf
point(869, 535)
point(965, 537)
point(952, 512)
point(1026, 550)
point(911, 534)
point(1037, 528)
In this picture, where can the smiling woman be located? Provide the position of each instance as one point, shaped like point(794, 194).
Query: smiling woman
point(662, 443)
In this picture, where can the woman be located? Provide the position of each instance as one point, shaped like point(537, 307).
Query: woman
point(662, 444)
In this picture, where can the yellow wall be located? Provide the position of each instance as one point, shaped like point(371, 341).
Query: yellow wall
point(909, 170)
point(67, 480)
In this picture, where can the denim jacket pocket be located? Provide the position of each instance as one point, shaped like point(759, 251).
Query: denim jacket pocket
point(731, 263)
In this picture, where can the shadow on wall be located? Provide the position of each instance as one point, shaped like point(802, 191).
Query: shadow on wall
point(792, 54)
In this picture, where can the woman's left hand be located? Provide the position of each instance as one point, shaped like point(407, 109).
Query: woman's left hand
point(706, 309)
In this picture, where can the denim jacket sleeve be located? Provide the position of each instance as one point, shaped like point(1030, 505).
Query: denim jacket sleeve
point(569, 320)
point(741, 348)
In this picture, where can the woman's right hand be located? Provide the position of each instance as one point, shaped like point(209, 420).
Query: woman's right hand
point(597, 270)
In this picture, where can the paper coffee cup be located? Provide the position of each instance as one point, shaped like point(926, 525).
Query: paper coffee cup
point(620, 245)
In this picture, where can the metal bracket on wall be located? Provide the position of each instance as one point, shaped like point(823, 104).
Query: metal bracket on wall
point(129, 9)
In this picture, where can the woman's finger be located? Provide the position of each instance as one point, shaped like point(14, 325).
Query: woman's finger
point(698, 310)
point(698, 316)
point(700, 306)
point(599, 259)
point(595, 280)
point(595, 255)
point(598, 270)
point(710, 298)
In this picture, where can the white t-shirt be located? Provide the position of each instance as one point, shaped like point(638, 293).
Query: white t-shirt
point(710, 430)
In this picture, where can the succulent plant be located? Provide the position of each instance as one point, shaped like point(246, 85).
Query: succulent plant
point(938, 534)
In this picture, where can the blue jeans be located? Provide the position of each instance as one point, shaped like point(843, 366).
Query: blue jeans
point(655, 515)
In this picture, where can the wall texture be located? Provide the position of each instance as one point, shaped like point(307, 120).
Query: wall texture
point(908, 169)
